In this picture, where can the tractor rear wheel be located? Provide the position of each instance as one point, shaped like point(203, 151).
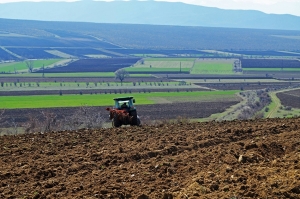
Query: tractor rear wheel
point(116, 122)
point(138, 121)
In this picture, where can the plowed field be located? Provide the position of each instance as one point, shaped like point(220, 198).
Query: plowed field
point(238, 159)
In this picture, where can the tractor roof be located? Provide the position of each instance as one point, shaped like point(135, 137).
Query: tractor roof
point(123, 98)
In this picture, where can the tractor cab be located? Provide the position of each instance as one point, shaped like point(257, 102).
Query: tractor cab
point(129, 117)
point(124, 103)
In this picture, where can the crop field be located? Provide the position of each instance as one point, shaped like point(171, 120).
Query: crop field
point(95, 65)
point(70, 75)
point(134, 51)
point(47, 101)
point(11, 67)
point(237, 159)
point(5, 56)
point(290, 98)
point(81, 52)
point(33, 53)
point(161, 52)
point(35, 86)
point(210, 66)
point(272, 69)
point(21, 41)
point(248, 85)
point(262, 53)
point(270, 63)
point(163, 65)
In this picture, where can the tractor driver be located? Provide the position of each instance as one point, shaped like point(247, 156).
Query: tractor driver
point(124, 106)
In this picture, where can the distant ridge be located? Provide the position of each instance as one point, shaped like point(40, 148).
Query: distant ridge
point(29, 33)
point(147, 12)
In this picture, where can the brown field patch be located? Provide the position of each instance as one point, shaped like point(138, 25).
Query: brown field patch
point(238, 159)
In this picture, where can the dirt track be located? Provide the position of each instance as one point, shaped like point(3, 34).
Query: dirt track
point(249, 159)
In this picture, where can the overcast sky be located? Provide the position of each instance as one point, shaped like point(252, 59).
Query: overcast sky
point(268, 6)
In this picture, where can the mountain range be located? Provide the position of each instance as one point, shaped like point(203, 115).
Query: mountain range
point(147, 12)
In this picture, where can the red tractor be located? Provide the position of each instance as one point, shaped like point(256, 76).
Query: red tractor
point(124, 112)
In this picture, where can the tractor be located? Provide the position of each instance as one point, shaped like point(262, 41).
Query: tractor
point(124, 112)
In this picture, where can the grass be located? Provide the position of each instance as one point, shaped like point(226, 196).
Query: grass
point(145, 70)
point(275, 110)
point(212, 67)
point(233, 80)
point(163, 65)
point(149, 55)
point(48, 101)
point(170, 59)
point(11, 67)
point(90, 74)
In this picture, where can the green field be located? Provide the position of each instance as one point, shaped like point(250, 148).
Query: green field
point(92, 74)
point(149, 70)
point(163, 65)
point(212, 67)
point(11, 67)
point(48, 101)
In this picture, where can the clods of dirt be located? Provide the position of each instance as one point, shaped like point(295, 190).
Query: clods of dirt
point(237, 159)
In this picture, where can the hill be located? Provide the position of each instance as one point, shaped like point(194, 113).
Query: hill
point(147, 12)
point(238, 159)
point(26, 33)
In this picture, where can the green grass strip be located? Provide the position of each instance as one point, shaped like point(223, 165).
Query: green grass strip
point(10, 67)
point(169, 59)
point(212, 68)
point(48, 101)
point(143, 70)
point(92, 74)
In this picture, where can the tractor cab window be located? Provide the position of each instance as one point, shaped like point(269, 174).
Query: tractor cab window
point(123, 104)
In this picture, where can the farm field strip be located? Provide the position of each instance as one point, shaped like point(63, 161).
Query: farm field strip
point(149, 55)
point(212, 67)
point(171, 59)
point(276, 109)
point(10, 67)
point(86, 74)
point(163, 65)
point(166, 64)
point(47, 101)
point(243, 81)
point(30, 86)
point(272, 69)
point(230, 113)
point(149, 70)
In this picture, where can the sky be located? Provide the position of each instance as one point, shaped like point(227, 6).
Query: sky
point(267, 6)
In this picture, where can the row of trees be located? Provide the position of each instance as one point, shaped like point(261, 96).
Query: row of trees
point(46, 121)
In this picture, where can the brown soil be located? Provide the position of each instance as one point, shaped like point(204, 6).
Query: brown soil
point(290, 98)
point(98, 91)
point(238, 159)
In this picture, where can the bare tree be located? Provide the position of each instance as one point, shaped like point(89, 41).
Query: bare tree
point(50, 121)
point(29, 64)
point(2, 111)
point(121, 74)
